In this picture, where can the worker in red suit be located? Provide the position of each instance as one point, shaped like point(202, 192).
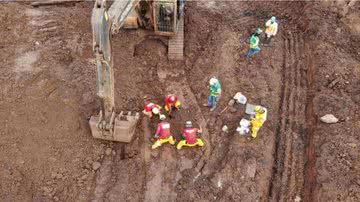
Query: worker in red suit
point(171, 102)
point(163, 133)
point(190, 136)
point(151, 108)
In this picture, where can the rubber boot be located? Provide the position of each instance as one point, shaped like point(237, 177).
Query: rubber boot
point(156, 144)
point(171, 140)
point(254, 132)
point(178, 105)
point(181, 144)
point(200, 142)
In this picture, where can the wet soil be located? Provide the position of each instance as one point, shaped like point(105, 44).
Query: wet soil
point(310, 69)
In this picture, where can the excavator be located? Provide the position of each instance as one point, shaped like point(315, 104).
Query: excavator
point(165, 20)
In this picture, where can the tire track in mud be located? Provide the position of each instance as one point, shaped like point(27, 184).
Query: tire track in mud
point(287, 179)
point(311, 121)
point(47, 30)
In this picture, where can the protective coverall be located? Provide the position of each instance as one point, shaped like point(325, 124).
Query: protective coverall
point(191, 139)
point(256, 124)
point(163, 134)
point(254, 45)
point(150, 108)
point(258, 121)
point(271, 28)
point(171, 101)
point(215, 92)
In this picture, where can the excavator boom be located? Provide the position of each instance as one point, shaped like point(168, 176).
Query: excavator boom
point(107, 125)
point(118, 12)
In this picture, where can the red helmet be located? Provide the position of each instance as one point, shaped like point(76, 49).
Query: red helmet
point(172, 98)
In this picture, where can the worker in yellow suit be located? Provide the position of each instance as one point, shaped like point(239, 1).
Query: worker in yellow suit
point(271, 29)
point(258, 121)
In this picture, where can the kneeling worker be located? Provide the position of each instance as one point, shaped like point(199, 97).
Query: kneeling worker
point(171, 102)
point(163, 133)
point(258, 121)
point(190, 135)
point(151, 108)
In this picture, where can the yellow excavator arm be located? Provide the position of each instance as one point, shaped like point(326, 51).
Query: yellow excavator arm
point(107, 125)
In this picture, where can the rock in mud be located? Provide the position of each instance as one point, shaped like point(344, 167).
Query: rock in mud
point(233, 109)
point(231, 102)
point(329, 118)
point(108, 151)
point(96, 165)
point(59, 176)
point(53, 175)
point(225, 129)
point(251, 170)
point(353, 145)
point(84, 177)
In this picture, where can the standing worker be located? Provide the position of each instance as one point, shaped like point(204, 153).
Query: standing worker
point(271, 29)
point(163, 133)
point(151, 108)
point(215, 92)
point(258, 121)
point(254, 43)
point(190, 136)
point(171, 102)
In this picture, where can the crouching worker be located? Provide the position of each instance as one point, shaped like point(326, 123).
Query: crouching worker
point(171, 102)
point(190, 136)
point(258, 121)
point(163, 134)
point(150, 109)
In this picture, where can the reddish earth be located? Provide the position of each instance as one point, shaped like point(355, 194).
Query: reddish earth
point(311, 69)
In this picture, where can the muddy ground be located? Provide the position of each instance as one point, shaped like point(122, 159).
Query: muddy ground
point(311, 69)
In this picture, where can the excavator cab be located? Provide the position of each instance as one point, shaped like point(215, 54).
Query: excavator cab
point(166, 16)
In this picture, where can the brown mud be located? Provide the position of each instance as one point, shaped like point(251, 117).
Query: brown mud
point(310, 69)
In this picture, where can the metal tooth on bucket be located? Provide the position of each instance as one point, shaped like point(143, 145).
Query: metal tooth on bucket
point(123, 131)
point(124, 127)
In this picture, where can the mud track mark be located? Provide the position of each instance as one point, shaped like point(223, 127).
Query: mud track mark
point(310, 155)
point(103, 179)
point(287, 178)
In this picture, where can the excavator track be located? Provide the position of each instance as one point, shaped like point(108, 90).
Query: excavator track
point(176, 43)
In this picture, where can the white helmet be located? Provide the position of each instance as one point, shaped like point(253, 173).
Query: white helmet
point(213, 81)
point(162, 117)
point(188, 124)
point(273, 19)
point(155, 110)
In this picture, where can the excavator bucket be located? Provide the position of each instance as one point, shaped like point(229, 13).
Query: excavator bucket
point(123, 128)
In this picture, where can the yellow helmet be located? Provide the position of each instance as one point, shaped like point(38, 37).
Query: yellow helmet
point(259, 109)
